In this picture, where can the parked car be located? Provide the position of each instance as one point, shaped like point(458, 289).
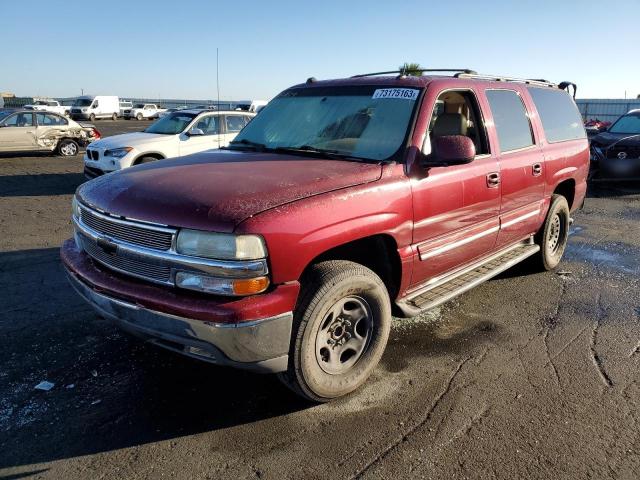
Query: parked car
point(178, 134)
point(25, 130)
point(124, 105)
point(143, 111)
point(615, 153)
point(338, 204)
point(93, 107)
point(595, 126)
point(52, 106)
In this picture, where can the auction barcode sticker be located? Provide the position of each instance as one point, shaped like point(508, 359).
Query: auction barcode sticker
point(401, 93)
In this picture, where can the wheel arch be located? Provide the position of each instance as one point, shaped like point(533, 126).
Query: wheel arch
point(156, 155)
point(378, 252)
point(567, 188)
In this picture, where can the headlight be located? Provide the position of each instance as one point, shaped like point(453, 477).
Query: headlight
point(221, 246)
point(75, 207)
point(118, 152)
point(221, 286)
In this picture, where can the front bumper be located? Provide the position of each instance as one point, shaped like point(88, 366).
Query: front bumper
point(253, 333)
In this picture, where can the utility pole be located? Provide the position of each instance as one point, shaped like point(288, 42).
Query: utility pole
point(82, 91)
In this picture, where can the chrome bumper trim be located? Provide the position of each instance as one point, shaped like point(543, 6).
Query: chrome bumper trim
point(260, 345)
point(217, 268)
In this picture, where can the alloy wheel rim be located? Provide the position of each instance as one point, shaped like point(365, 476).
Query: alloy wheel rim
point(344, 335)
point(69, 149)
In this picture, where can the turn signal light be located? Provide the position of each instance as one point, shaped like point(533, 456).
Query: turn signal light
point(250, 286)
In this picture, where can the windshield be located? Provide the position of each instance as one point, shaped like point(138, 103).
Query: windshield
point(82, 102)
point(358, 121)
point(629, 124)
point(171, 124)
point(5, 113)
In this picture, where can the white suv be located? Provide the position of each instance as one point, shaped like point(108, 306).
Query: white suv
point(175, 135)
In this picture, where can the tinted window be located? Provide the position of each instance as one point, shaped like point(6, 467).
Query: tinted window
point(48, 119)
point(558, 113)
point(510, 119)
point(234, 123)
point(19, 120)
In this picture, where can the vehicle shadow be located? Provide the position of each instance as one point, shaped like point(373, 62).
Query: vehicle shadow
point(40, 184)
point(111, 391)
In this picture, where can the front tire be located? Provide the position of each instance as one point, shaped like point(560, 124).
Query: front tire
point(114, 117)
point(146, 160)
point(139, 117)
point(341, 327)
point(554, 234)
point(68, 148)
point(92, 117)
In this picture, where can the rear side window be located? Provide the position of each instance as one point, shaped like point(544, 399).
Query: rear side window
point(558, 113)
point(47, 119)
point(511, 120)
point(235, 123)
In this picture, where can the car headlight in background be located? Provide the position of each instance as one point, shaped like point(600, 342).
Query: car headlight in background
point(117, 152)
point(221, 246)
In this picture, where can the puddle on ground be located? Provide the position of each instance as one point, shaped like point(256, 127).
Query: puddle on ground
point(614, 256)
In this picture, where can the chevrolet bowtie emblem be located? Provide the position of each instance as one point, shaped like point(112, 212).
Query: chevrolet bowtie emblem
point(107, 245)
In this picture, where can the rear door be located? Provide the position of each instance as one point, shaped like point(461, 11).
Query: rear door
point(48, 126)
point(233, 124)
point(18, 132)
point(456, 208)
point(521, 164)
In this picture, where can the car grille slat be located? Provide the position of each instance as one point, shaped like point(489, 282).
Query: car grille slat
point(133, 234)
point(157, 273)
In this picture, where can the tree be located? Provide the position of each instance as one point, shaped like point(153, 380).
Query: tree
point(411, 69)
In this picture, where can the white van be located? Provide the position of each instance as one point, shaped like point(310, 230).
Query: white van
point(91, 107)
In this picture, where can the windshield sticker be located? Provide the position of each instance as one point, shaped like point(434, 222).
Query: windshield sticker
point(401, 93)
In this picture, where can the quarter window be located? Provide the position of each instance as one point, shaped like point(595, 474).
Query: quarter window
point(47, 119)
point(511, 120)
point(558, 113)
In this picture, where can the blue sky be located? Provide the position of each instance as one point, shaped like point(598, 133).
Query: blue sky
point(167, 49)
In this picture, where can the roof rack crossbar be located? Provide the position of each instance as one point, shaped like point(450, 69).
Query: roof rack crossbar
point(498, 78)
point(421, 70)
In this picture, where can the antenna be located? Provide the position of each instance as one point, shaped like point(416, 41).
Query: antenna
point(218, 106)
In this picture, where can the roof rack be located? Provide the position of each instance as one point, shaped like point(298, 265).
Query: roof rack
point(497, 78)
point(404, 72)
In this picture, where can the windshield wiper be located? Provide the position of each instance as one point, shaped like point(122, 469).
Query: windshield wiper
point(248, 143)
point(325, 153)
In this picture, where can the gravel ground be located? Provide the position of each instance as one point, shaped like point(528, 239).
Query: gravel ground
point(531, 375)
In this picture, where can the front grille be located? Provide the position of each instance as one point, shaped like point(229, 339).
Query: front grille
point(158, 273)
point(127, 232)
point(93, 154)
point(632, 152)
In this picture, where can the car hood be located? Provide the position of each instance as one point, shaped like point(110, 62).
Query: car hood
point(217, 190)
point(129, 140)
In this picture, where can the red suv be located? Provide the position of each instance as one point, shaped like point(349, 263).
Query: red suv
point(342, 202)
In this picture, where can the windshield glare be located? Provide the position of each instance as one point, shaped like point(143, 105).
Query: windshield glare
point(629, 124)
point(171, 124)
point(82, 102)
point(353, 121)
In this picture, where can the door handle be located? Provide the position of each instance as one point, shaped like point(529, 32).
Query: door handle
point(493, 179)
point(536, 169)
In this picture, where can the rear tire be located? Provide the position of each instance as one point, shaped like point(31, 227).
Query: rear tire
point(340, 330)
point(554, 234)
point(68, 148)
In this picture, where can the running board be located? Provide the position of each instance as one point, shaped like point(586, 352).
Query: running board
point(443, 289)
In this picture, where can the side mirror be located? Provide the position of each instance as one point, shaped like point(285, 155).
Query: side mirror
point(194, 132)
point(450, 150)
